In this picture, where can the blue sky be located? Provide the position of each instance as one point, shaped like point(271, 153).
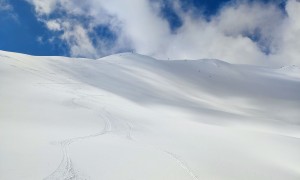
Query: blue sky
point(161, 28)
point(20, 32)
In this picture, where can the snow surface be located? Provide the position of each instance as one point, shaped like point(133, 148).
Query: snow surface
point(132, 117)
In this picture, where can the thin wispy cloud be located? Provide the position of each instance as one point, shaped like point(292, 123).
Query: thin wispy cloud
point(5, 6)
point(240, 32)
point(7, 11)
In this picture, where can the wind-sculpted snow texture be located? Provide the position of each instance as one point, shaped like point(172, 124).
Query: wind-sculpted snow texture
point(129, 116)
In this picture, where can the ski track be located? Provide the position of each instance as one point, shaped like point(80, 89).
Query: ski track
point(182, 164)
point(66, 169)
point(173, 156)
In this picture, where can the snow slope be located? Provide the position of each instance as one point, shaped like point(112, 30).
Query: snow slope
point(129, 116)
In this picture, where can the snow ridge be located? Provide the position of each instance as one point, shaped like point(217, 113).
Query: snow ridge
point(129, 116)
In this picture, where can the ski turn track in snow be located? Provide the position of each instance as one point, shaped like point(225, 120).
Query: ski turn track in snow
point(147, 119)
point(66, 169)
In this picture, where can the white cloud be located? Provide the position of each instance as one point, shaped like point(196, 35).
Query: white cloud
point(78, 39)
point(53, 25)
point(43, 7)
point(290, 40)
point(139, 26)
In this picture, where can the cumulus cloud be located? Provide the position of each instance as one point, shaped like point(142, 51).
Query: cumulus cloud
point(290, 37)
point(44, 7)
point(241, 32)
point(53, 25)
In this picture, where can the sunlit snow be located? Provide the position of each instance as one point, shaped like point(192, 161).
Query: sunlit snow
point(132, 117)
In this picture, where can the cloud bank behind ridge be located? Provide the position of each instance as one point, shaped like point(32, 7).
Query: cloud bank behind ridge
point(240, 32)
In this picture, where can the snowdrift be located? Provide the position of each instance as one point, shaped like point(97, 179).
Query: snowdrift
point(129, 116)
